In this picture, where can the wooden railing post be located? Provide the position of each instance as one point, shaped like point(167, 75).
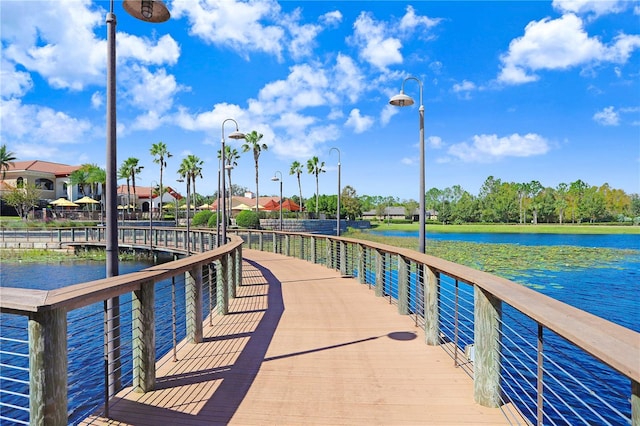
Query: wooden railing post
point(329, 254)
point(635, 403)
point(193, 305)
point(486, 360)
point(362, 264)
point(379, 274)
point(221, 286)
point(275, 242)
point(403, 286)
point(343, 258)
point(313, 257)
point(231, 256)
point(144, 338)
point(431, 308)
point(48, 367)
point(238, 257)
point(286, 245)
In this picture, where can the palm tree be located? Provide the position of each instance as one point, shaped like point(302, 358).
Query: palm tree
point(296, 169)
point(80, 177)
point(131, 166)
point(123, 173)
point(160, 153)
point(6, 159)
point(253, 144)
point(315, 167)
point(231, 157)
point(190, 169)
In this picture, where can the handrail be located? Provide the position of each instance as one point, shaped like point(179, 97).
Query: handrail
point(47, 313)
point(614, 345)
point(407, 278)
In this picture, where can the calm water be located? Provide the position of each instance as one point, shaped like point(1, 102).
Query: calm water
point(611, 292)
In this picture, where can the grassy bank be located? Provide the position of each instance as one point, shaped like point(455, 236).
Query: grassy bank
point(56, 256)
point(513, 229)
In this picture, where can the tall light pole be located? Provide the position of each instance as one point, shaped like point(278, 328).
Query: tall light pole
point(148, 11)
point(234, 135)
point(218, 210)
point(188, 241)
point(338, 213)
point(402, 100)
point(151, 214)
point(275, 178)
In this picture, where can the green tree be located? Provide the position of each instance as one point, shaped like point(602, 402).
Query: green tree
point(160, 154)
point(561, 203)
point(253, 144)
point(190, 169)
point(6, 159)
point(349, 203)
point(97, 177)
point(315, 167)
point(23, 199)
point(231, 157)
point(535, 189)
point(593, 204)
point(131, 167)
point(80, 177)
point(296, 169)
point(575, 195)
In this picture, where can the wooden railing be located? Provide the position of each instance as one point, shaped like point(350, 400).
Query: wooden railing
point(516, 343)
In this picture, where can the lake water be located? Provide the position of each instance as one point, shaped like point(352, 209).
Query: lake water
point(611, 292)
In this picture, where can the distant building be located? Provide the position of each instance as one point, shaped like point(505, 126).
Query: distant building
point(54, 181)
point(400, 213)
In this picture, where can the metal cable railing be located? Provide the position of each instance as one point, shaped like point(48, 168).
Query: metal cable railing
point(539, 379)
point(102, 344)
point(486, 323)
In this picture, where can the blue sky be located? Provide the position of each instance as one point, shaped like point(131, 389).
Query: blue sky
point(540, 90)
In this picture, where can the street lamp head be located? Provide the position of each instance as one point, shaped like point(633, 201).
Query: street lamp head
point(147, 10)
point(401, 100)
point(275, 179)
point(236, 135)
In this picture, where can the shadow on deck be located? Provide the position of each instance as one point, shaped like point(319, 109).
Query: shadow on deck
point(301, 345)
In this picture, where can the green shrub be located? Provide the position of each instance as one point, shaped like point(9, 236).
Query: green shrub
point(212, 220)
point(248, 219)
point(202, 218)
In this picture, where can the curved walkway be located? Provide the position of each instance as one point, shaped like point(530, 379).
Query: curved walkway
point(301, 345)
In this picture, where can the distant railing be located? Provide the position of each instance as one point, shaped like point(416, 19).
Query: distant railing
point(556, 364)
point(55, 345)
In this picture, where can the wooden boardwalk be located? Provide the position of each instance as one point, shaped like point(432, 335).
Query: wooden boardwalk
point(302, 345)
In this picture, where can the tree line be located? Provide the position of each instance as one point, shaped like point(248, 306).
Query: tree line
point(496, 202)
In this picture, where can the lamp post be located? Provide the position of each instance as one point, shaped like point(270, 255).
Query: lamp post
point(279, 179)
point(143, 10)
point(151, 214)
point(218, 210)
point(402, 100)
point(228, 168)
point(338, 213)
point(187, 243)
point(234, 135)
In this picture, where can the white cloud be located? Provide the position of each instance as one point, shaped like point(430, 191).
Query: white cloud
point(331, 18)
point(14, 83)
point(387, 112)
point(97, 100)
point(489, 148)
point(411, 21)
point(598, 8)
point(235, 24)
point(28, 123)
point(375, 46)
point(559, 44)
point(380, 43)
point(607, 117)
point(435, 142)
point(464, 89)
point(359, 123)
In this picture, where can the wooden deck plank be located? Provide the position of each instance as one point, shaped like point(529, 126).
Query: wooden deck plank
point(302, 345)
